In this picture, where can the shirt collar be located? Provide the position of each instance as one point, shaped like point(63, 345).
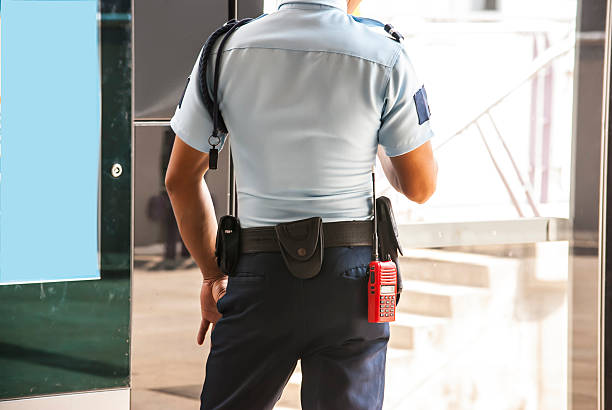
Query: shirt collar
point(339, 4)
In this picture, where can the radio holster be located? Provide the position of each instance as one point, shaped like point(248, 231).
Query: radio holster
point(301, 244)
point(227, 245)
point(389, 246)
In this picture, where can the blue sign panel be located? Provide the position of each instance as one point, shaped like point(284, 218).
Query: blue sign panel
point(49, 140)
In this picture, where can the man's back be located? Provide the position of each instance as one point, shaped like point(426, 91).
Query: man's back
point(307, 94)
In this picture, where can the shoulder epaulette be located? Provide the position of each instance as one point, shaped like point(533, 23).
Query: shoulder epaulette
point(395, 35)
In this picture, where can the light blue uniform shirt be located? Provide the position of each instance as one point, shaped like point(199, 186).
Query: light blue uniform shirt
point(307, 94)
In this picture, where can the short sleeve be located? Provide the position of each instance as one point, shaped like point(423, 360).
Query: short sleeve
point(191, 120)
point(405, 121)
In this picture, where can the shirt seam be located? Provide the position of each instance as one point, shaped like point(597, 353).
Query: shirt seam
point(296, 3)
point(395, 57)
point(384, 64)
point(388, 71)
point(424, 136)
point(384, 104)
point(307, 6)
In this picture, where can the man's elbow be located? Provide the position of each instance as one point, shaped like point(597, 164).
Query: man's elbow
point(177, 183)
point(415, 174)
point(421, 192)
point(171, 183)
point(423, 197)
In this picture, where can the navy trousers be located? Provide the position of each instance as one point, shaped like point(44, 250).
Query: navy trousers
point(270, 319)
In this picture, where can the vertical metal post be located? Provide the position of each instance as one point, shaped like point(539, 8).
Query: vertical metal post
point(232, 9)
point(585, 272)
point(605, 231)
point(546, 126)
point(490, 5)
point(533, 125)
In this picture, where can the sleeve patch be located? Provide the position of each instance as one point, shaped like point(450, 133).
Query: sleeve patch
point(422, 106)
point(183, 96)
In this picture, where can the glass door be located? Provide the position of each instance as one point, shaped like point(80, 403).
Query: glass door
point(65, 314)
point(501, 306)
point(501, 270)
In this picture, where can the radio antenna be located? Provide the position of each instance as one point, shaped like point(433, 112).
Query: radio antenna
point(375, 244)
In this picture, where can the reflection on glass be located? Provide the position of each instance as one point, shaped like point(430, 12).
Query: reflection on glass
point(479, 325)
point(484, 327)
point(500, 87)
point(158, 244)
point(64, 337)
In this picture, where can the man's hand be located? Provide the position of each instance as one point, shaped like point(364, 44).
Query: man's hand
point(212, 291)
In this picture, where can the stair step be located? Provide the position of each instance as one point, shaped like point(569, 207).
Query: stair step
point(409, 331)
point(457, 268)
point(440, 271)
point(441, 300)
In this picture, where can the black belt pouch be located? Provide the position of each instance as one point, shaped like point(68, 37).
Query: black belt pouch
point(387, 237)
point(227, 246)
point(301, 244)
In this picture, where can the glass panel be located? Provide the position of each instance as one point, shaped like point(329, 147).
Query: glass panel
point(606, 346)
point(481, 327)
point(500, 86)
point(585, 307)
point(73, 336)
point(167, 40)
point(482, 323)
point(156, 231)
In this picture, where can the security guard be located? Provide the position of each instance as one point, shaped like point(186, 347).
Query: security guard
point(310, 95)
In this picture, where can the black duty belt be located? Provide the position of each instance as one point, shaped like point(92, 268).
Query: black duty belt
point(343, 233)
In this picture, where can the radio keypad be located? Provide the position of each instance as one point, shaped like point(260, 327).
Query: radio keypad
point(387, 305)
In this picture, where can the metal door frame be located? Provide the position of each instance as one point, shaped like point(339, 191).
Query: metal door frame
point(605, 284)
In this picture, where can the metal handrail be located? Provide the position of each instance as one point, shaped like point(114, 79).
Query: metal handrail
point(540, 63)
point(537, 65)
point(483, 232)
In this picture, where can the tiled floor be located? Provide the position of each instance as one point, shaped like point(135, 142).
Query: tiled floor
point(167, 364)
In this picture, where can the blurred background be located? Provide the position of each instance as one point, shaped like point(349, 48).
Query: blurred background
point(486, 320)
point(502, 267)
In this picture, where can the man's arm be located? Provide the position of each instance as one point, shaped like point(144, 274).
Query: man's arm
point(413, 174)
point(405, 132)
point(197, 223)
point(193, 205)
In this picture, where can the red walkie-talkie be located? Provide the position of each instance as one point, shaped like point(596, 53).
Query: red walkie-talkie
point(382, 284)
